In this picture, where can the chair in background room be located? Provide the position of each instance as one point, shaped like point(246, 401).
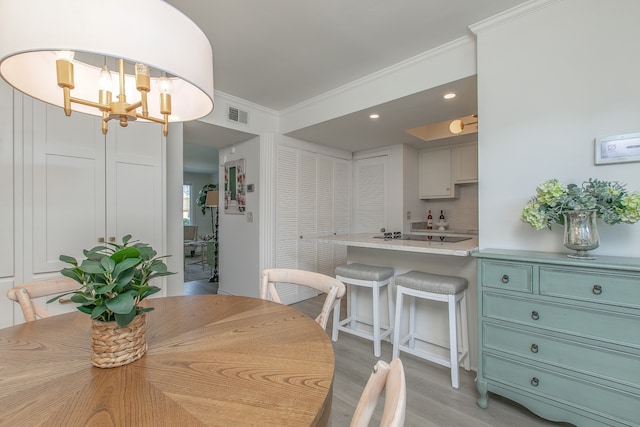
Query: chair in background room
point(190, 235)
point(388, 377)
point(24, 295)
point(323, 283)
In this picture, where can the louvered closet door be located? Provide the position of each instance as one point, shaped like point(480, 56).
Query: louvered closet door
point(326, 207)
point(312, 199)
point(341, 207)
point(287, 236)
point(307, 218)
point(286, 208)
point(307, 212)
point(370, 211)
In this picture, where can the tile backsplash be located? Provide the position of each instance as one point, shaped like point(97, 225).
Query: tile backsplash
point(460, 213)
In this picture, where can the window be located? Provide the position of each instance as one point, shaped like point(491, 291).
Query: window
point(186, 204)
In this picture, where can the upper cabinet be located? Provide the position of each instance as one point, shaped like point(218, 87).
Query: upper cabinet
point(465, 163)
point(436, 179)
point(442, 168)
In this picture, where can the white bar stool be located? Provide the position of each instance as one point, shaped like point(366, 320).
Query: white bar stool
point(435, 287)
point(368, 276)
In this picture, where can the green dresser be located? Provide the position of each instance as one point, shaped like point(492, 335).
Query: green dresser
point(561, 336)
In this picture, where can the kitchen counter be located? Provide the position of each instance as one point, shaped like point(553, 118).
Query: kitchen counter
point(366, 240)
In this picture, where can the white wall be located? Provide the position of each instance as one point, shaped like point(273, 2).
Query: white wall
point(239, 250)
point(175, 232)
point(549, 82)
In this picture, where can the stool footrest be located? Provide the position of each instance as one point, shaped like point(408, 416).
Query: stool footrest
point(440, 360)
point(363, 334)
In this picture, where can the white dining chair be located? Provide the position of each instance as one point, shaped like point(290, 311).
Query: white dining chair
point(329, 285)
point(24, 295)
point(390, 378)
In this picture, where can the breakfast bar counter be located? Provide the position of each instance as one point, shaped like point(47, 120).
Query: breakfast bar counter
point(434, 246)
point(431, 256)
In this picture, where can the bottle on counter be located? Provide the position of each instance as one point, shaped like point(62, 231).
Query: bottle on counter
point(429, 221)
point(441, 216)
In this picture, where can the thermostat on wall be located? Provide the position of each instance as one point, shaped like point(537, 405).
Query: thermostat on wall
point(617, 149)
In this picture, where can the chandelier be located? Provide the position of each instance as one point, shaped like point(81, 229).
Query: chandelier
point(164, 61)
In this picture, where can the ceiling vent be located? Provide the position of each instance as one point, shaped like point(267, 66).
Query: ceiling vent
point(235, 114)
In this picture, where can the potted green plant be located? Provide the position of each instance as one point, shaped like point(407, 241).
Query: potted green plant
point(114, 279)
point(202, 196)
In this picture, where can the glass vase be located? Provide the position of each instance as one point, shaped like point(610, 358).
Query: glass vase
point(581, 232)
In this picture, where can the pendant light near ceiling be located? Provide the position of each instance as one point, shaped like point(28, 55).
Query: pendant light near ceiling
point(457, 126)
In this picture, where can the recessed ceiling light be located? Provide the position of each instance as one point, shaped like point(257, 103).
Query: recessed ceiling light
point(374, 116)
point(449, 95)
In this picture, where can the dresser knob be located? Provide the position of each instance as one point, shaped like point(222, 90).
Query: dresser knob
point(535, 315)
point(534, 348)
point(505, 278)
point(535, 382)
point(597, 289)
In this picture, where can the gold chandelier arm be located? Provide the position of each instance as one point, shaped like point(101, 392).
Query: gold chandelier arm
point(122, 97)
point(67, 100)
point(105, 122)
point(89, 103)
point(145, 109)
point(150, 118)
point(164, 122)
point(134, 106)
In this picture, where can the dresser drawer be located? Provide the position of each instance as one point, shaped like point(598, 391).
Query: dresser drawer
point(603, 325)
point(506, 275)
point(561, 388)
point(615, 289)
point(588, 359)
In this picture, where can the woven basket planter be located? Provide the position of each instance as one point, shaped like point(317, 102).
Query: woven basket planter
point(114, 346)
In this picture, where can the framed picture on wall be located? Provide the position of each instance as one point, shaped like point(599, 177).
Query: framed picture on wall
point(235, 187)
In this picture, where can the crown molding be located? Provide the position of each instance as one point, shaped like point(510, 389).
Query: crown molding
point(240, 102)
point(508, 15)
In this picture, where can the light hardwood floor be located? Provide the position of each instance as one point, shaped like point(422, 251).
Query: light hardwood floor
point(431, 401)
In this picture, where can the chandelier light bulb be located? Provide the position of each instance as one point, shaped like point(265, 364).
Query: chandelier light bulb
point(105, 82)
point(165, 85)
point(66, 55)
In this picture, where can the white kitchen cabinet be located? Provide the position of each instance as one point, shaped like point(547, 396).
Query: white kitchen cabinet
point(442, 168)
point(436, 178)
point(465, 163)
point(312, 199)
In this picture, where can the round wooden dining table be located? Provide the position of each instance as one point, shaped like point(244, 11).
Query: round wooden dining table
point(212, 360)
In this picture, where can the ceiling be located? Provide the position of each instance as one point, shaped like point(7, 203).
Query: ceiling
point(279, 53)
